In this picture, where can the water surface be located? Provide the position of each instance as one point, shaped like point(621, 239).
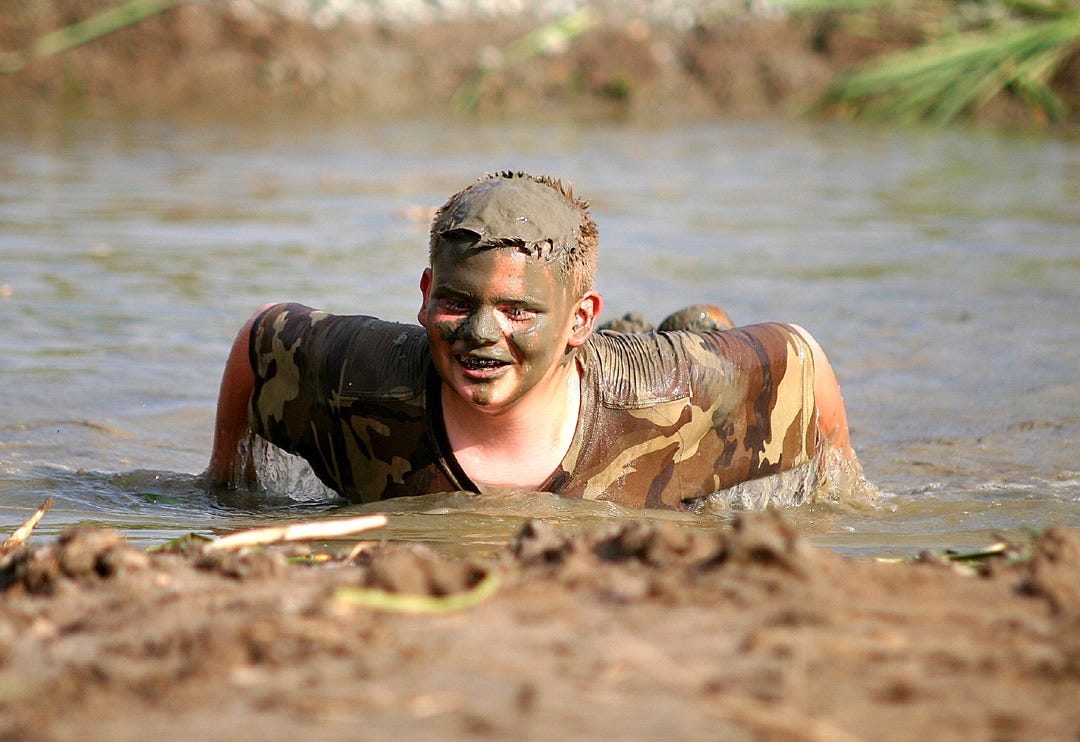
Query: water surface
point(939, 269)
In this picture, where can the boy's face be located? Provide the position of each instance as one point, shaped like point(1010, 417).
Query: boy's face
point(499, 322)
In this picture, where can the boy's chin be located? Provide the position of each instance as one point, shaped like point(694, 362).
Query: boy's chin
point(484, 397)
point(475, 394)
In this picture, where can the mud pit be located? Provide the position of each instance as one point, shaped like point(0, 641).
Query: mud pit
point(629, 633)
point(632, 632)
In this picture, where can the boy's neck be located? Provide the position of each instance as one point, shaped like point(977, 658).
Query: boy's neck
point(519, 447)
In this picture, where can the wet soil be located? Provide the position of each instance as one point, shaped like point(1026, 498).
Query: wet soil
point(634, 631)
point(212, 58)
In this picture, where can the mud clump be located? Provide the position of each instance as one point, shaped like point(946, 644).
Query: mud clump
point(244, 564)
point(757, 538)
point(1053, 573)
point(768, 540)
point(417, 570)
point(79, 555)
point(637, 560)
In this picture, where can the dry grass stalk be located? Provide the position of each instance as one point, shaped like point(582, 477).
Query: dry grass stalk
point(360, 548)
point(336, 528)
point(20, 534)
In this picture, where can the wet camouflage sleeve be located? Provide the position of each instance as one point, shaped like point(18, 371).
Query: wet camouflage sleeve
point(680, 415)
point(346, 393)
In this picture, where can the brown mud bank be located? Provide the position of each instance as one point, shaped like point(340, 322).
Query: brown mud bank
point(631, 632)
point(242, 56)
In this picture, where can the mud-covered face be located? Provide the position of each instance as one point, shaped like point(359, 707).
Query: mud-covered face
point(499, 322)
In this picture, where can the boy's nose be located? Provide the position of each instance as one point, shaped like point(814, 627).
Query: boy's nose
point(482, 327)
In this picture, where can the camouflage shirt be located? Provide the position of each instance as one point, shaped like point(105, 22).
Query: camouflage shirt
point(665, 417)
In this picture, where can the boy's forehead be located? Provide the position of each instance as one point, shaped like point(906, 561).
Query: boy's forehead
point(500, 209)
point(455, 263)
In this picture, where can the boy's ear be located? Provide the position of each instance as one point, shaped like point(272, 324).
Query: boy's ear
point(585, 315)
point(425, 290)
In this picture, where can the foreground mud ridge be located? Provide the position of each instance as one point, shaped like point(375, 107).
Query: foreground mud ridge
point(630, 632)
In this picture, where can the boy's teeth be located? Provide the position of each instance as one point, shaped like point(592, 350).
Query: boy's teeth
point(480, 362)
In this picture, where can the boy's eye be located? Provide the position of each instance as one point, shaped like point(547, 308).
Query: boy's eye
point(519, 313)
point(454, 306)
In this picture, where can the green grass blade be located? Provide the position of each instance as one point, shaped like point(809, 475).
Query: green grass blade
point(943, 80)
point(85, 31)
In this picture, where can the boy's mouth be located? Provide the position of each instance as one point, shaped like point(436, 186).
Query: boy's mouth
point(476, 365)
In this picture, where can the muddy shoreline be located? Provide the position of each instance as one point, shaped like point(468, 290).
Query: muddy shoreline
point(241, 57)
point(629, 632)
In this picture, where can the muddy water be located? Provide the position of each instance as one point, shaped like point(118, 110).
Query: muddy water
point(940, 270)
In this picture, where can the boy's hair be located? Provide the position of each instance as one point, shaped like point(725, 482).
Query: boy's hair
point(537, 214)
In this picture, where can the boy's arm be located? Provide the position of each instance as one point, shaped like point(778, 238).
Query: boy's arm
point(231, 421)
point(832, 420)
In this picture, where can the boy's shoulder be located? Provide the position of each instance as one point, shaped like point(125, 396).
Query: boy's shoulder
point(356, 356)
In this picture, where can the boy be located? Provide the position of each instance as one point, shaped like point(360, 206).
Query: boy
point(506, 387)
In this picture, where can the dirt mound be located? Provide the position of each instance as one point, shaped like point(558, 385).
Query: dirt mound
point(210, 56)
point(1052, 572)
point(630, 631)
point(255, 59)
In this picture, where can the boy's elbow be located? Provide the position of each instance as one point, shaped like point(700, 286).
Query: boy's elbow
point(828, 398)
point(231, 418)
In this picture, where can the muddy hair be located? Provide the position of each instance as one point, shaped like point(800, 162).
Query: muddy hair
point(578, 261)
